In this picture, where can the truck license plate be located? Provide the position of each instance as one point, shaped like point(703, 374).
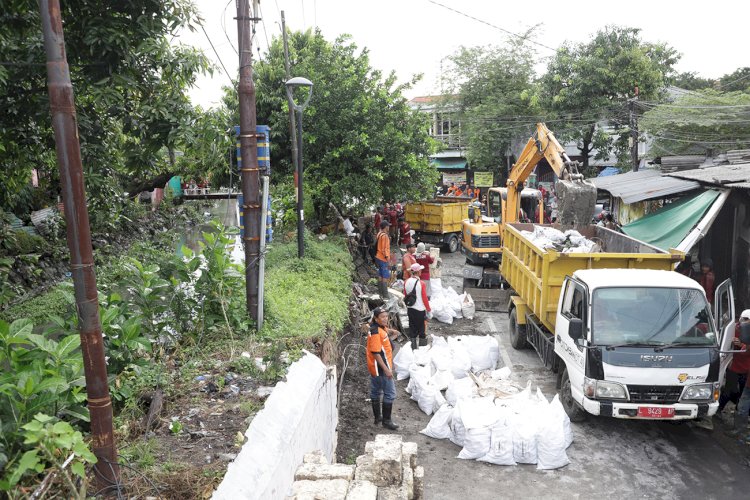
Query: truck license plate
point(655, 412)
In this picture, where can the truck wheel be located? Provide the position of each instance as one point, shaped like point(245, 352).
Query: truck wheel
point(452, 243)
point(572, 408)
point(517, 332)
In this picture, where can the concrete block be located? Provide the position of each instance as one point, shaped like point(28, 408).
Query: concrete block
point(334, 489)
point(407, 481)
point(386, 458)
point(362, 490)
point(392, 493)
point(409, 453)
point(383, 438)
point(318, 472)
point(315, 457)
point(381, 474)
point(418, 482)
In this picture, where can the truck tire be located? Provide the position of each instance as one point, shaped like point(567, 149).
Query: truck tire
point(572, 408)
point(517, 332)
point(452, 243)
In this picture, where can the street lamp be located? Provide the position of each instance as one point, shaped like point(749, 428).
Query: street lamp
point(291, 84)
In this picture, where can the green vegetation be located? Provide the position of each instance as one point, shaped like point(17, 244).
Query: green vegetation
point(310, 297)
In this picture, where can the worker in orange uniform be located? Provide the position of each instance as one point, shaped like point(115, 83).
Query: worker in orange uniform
point(380, 366)
point(383, 259)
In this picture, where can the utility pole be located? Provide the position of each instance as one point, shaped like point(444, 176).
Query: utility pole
point(634, 131)
point(292, 117)
point(62, 107)
point(248, 149)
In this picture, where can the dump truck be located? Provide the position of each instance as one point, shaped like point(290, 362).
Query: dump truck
point(438, 221)
point(482, 237)
point(627, 337)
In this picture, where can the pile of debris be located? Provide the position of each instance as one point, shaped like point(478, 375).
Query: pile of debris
point(570, 241)
point(387, 471)
point(483, 411)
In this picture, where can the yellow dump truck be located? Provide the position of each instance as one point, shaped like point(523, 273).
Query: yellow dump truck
point(627, 336)
point(438, 221)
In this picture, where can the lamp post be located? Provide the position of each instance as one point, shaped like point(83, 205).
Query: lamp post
point(291, 84)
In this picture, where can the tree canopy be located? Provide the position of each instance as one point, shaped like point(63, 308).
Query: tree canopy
point(130, 83)
point(362, 142)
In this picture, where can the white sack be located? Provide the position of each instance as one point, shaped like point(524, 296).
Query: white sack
point(461, 362)
point(459, 389)
point(501, 373)
point(419, 376)
point(483, 351)
point(430, 398)
point(476, 443)
point(501, 446)
point(551, 443)
point(440, 357)
point(440, 423)
point(441, 379)
point(524, 439)
point(478, 412)
point(422, 355)
point(438, 341)
point(458, 431)
point(557, 409)
point(468, 308)
point(402, 360)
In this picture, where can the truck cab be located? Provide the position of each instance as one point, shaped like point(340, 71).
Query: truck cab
point(641, 344)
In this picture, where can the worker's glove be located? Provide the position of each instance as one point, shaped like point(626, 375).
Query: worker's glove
point(428, 315)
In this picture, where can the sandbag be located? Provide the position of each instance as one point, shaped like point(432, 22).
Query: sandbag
point(525, 439)
point(438, 341)
point(551, 443)
point(439, 426)
point(468, 308)
point(458, 431)
point(440, 357)
point(454, 302)
point(501, 446)
point(422, 355)
point(460, 360)
point(478, 412)
point(557, 409)
point(430, 398)
point(441, 379)
point(418, 378)
point(484, 352)
point(402, 360)
point(460, 388)
point(476, 443)
point(501, 373)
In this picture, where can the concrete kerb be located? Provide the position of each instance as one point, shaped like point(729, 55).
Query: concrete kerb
point(299, 417)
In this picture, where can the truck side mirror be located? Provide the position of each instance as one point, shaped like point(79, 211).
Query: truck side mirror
point(575, 329)
point(471, 213)
point(745, 333)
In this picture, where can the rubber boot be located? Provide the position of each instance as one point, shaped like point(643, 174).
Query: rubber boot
point(422, 341)
point(383, 290)
point(413, 341)
point(376, 411)
point(387, 422)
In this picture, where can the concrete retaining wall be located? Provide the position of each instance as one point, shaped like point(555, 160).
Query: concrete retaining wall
point(299, 417)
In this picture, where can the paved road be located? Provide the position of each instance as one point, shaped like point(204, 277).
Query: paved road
point(619, 459)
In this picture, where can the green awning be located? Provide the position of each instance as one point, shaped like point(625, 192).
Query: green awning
point(448, 163)
point(669, 225)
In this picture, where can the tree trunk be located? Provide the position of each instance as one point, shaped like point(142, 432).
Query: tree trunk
point(136, 187)
point(585, 149)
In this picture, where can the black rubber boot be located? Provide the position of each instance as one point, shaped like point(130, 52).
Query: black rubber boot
point(413, 343)
point(376, 412)
point(387, 422)
point(383, 290)
point(422, 341)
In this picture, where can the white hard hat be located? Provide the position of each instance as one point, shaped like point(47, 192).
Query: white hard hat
point(745, 314)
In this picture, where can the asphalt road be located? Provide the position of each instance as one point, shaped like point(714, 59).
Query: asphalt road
point(609, 457)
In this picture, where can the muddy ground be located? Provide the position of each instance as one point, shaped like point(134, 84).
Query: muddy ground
point(619, 459)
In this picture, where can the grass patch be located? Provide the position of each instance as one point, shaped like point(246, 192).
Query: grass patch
point(309, 297)
point(56, 302)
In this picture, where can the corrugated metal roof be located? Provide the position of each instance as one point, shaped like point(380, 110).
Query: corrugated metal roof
point(642, 185)
point(720, 175)
point(739, 185)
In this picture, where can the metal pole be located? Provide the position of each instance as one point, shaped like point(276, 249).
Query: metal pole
point(248, 150)
point(262, 260)
point(634, 131)
point(62, 107)
point(292, 118)
point(300, 204)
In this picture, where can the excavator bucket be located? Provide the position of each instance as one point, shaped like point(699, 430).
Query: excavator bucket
point(576, 201)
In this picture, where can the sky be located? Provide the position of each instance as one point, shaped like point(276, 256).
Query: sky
point(415, 36)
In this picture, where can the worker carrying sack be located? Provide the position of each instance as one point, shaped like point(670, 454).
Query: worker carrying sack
point(411, 298)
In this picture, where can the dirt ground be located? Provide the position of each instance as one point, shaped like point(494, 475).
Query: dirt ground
point(620, 459)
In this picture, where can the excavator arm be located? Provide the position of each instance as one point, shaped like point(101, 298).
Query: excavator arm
point(544, 145)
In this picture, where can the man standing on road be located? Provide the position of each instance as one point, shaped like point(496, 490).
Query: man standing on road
point(383, 259)
point(380, 364)
point(409, 260)
point(425, 259)
point(417, 311)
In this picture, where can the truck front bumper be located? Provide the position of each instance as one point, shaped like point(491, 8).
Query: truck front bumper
point(479, 258)
point(682, 411)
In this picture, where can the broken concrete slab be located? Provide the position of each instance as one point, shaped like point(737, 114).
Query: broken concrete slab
point(319, 472)
point(315, 457)
point(362, 490)
point(407, 481)
point(418, 482)
point(409, 454)
point(392, 493)
point(334, 489)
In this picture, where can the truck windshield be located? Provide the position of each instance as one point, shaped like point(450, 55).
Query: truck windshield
point(651, 316)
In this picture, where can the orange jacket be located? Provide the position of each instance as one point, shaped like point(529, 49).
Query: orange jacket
point(383, 246)
point(378, 344)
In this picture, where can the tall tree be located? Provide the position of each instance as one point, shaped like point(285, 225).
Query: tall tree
point(129, 82)
point(699, 122)
point(362, 142)
point(590, 83)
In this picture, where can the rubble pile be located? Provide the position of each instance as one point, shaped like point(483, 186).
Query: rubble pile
point(387, 471)
point(570, 241)
point(482, 410)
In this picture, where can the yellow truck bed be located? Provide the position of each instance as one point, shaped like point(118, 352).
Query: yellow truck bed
point(437, 216)
point(537, 275)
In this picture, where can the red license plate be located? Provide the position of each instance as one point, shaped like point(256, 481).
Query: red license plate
point(655, 412)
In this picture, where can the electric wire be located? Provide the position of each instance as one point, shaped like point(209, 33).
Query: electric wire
point(217, 54)
point(224, 27)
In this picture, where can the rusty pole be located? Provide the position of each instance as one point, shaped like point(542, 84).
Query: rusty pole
point(68, 149)
point(248, 149)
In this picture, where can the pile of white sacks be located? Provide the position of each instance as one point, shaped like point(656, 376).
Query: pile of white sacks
point(570, 241)
point(498, 422)
point(447, 304)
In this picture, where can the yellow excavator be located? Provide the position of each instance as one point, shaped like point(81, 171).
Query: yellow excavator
point(482, 236)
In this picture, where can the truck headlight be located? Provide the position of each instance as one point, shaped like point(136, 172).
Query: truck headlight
point(603, 389)
point(698, 392)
